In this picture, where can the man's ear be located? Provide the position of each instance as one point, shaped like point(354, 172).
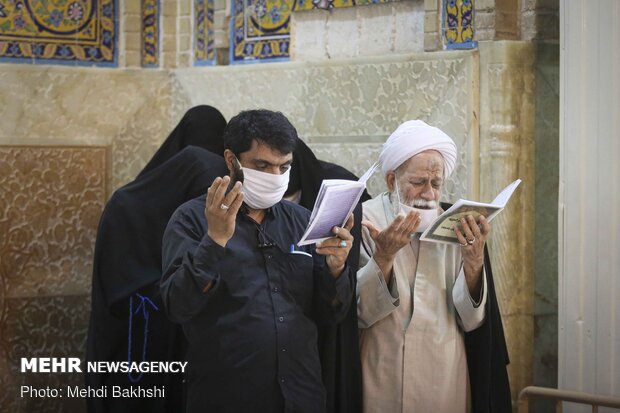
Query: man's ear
point(389, 180)
point(229, 158)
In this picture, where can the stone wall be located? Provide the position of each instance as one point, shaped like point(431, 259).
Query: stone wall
point(507, 120)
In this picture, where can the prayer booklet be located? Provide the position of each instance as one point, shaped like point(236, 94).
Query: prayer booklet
point(337, 198)
point(440, 230)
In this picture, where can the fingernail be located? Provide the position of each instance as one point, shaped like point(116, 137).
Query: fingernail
point(336, 229)
point(318, 244)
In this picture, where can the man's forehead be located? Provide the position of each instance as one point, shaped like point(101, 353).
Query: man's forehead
point(425, 161)
point(260, 151)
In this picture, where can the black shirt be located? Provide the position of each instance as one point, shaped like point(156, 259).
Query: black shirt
point(253, 336)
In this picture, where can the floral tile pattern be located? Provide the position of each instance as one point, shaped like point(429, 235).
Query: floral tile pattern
point(458, 24)
point(260, 30)
point(62, 31)
point(150, 33)
point(204, 50)
point(333, 4)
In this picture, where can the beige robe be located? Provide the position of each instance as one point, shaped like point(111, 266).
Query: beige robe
point(411, 332)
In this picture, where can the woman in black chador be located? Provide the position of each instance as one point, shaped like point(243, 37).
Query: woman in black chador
point(127, 321)
point(338, 344)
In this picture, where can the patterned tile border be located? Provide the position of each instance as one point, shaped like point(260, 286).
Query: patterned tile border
point(204, 49)
point(335, 4)
point(65, 32)
point(458, 24)
point(259, 30)
point(150, 33)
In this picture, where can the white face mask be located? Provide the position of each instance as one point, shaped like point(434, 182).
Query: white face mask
point(262, 190)
point(427, 216)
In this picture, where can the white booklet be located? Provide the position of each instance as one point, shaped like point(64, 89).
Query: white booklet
point(337, 198)
point(441, 228)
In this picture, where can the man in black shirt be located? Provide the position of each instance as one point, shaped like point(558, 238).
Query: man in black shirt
point(248, 298)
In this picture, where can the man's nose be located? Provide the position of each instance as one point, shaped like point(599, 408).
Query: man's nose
point(274, 170)
point(427, 192)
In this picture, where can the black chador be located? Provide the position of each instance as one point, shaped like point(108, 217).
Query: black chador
point(338, 344)
point(127, 321)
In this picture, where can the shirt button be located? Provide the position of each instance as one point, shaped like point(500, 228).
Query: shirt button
point(269, 256)
point(284, 350)
point(281, 319)
point(276, 289)
point(282, 380)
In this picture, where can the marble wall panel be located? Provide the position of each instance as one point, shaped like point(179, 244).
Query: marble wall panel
point(352, 101)
point(128, 110)
point(41, 327)
point(51, 199)
point(50, 203)
point(356, 157)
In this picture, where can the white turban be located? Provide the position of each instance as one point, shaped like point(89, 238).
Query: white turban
point(413, 137)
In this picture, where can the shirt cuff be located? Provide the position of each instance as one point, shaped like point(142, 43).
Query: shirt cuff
point(343, 285)
point(207, 257)
point(375, 301)
point(208, 253)
point(471, 313)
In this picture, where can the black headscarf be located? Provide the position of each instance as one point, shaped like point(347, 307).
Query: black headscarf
point(487, 354)
point(338, 344)
point(201, 126)
point(307, 173)
point(127, 269)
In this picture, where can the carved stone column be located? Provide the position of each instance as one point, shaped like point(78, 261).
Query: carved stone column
point(507, 118)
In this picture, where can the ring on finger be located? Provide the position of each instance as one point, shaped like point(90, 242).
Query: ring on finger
point(224, 206)
point(471, 241)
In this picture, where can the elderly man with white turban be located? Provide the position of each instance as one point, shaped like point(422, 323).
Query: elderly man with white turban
point(419, 301)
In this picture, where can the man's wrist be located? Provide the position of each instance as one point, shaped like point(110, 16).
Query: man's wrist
point(337, 272)
point(218, 240)
point(473, 278)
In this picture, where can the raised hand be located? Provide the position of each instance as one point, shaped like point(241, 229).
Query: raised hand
point(336, 249)
point(472, 239)
point(221, 209)
point(389, 241)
